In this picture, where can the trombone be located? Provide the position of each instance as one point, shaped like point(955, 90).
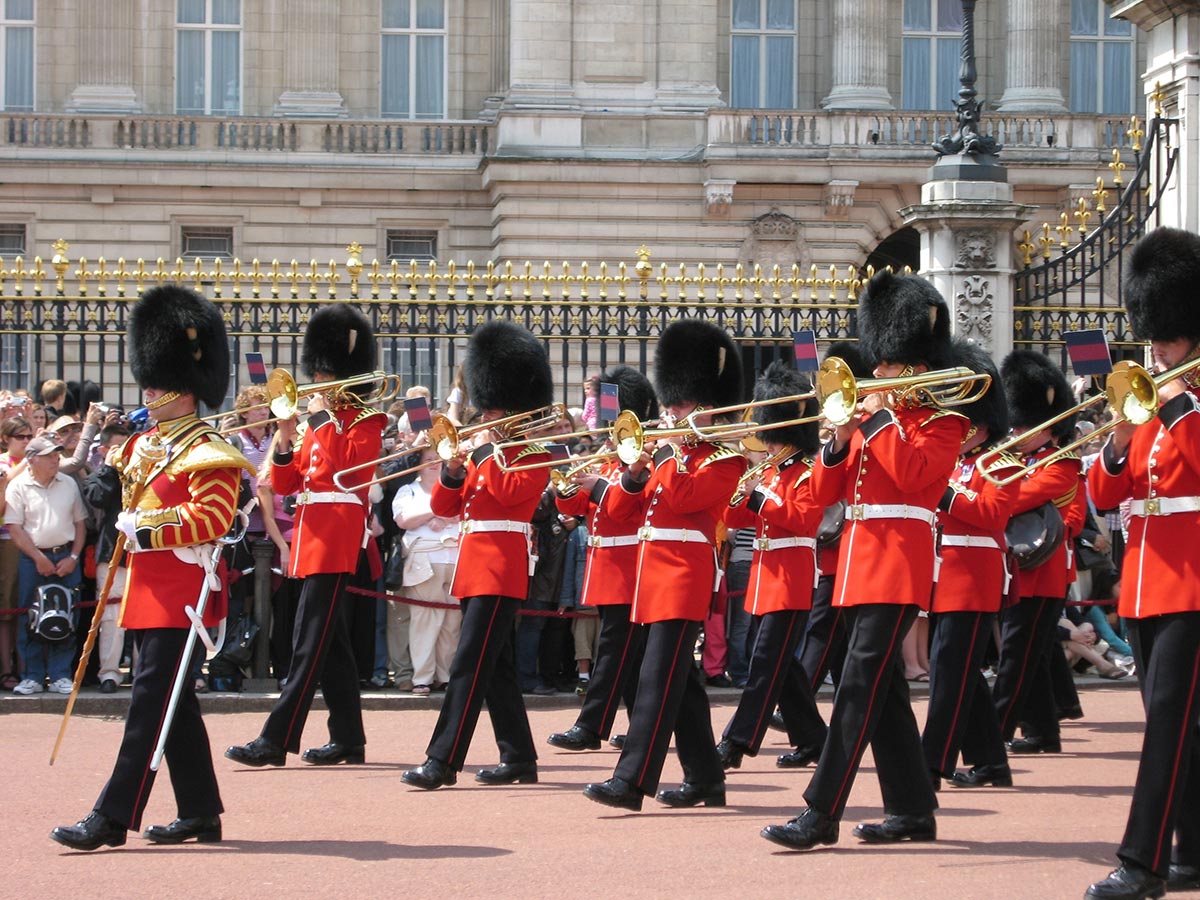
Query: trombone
point(627, 436)
point(1132, 395)
point(283, 394)
point(740, 494)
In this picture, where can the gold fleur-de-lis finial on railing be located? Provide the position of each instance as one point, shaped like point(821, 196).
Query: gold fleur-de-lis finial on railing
point(1100, 194)
point(1117, 167)
point(1026, 247)
point(1064, 230)
point(1083, 213)
point(1045, 241)
point(1135, 134)
point(1157, 97)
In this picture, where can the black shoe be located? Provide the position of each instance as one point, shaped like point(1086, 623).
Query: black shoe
point(898, 828)
point(259, 752)
point(575, 738)
point(1127, 883)
point(509, 773)
point(108, 686)
point(731, 754)
point(333, 753)
point(806, 830)
point(1071, 712)
point(689, 794)
point(430, 775)
point(90, 833)
point(799, 758)
point(777, 721)
point(999, 775)
point(615, 792)
point(1183, 878)
point(205, 830)
point(617, 741)
point(1035, 745)
point(719, 681)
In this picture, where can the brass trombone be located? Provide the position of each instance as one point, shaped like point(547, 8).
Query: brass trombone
point(1132, 394)
point(284, 395)
point(740, 494)
point(627, 436)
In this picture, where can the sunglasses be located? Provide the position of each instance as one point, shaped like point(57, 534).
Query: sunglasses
point(28, 436)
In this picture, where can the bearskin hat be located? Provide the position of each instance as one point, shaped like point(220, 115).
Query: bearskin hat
point(634, 391)
point(507, 368)
point(990, 411)
point(851, 353)
point(339, 341)
point(177, 343)
point(781, 380)
point(1161, 284)
point(697, 362)
point(1037, 390)
point(903, 319)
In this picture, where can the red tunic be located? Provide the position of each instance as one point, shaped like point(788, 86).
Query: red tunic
point(899, 459)
point(1058, 483)
point(189, 503)
point(609, 573)
point(972, 578)
point(781, 507)
point(1161, 570)
point(492, 562)
point(329, 535)
point(688, 491)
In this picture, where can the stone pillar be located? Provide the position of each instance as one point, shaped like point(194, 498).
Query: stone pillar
point(105, 51)
point(966, 230)
point(540, 52)
point(310, 67)
point(1032, 62)
point(860, 55)
point(686, 35)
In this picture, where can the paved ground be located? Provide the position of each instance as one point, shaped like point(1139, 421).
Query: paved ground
point(359, 832)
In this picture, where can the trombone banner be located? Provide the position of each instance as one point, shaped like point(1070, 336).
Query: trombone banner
point(1088, 350)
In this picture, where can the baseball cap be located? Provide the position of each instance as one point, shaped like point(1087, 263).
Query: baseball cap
point(42, 445)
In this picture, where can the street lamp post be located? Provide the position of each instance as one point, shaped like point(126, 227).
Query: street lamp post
point(966, 154)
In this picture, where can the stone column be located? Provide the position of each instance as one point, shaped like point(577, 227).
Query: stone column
point(310, 67)
point(540, 52)
point(1033, 82)
point(860, 55)
point(686, 36)
point(105, 50)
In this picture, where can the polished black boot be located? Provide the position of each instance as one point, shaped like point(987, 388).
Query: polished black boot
point(509, 773)
point(259, 752)
point(617, 742)
point(90, 833)
point(983, 776)
point(731, 754)
point(575, 738)
point(430, 775)
point(1183, 878)
point(203, 830)
point(894, 829)
point(615, 792)
point(333, 753)
point(799, 758)
point(806, 830)
point(1127, 883)
point(1035, 745)
point(689, 794)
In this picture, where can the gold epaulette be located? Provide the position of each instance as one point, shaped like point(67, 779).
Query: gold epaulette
point(721, 452)
point(941, 413)
point(366, 412)
point(215, 453)
point(1071, 455)
point(528, 450)
point(807, 473)
point(1005, 460)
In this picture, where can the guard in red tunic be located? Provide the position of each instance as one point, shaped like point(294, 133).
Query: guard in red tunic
point(608, 579)
point(1037, 391)
point(1158, 465)
point(330, 534)
point(891, 469)
point(180, 356)
point(972, 583)
point(507, 372)
point(696, 366)
point(777, 502)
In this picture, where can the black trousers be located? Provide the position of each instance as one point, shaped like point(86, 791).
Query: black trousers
point(776, 677)
point(824, 649)
point(619, 653)
point(1166, 795)
point(961, 714)
point(1023, 691)
point(484, 668)
point(872, 706)
point(1062, 683)
point(188, 754)
point(670, 697)
point(321, 654)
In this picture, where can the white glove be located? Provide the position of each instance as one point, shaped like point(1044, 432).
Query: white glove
point(127, 524)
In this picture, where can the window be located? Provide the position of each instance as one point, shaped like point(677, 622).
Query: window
point(12, 241)
point(205, 242)
point(1102, 60)
point(16, 40)
point(208, 57)
point(762, 65)
point(932, 54)
point(404, 246)
point(412, 76)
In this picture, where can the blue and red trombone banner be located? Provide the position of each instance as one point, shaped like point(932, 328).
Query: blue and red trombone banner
point(417, 410)
point(257, 368)
point(804, 346)
point(610, 403)
point(1088, 350)
point(558, 451)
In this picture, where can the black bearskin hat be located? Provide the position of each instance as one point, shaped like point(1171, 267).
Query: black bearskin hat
point(990, 411)
point(177, 343)
point(781, 380)
point(697, 362)
point(1161, 285)
point(339, 341)
point(903, 319)
point(634, 391)
point(507, 368)
point(851, 353)
point(1037, 390)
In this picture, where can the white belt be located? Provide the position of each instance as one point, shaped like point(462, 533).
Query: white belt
point(1164, 506)
point(682, 535)
point(472, 526)
point(305, 498)
point(779, 543)
point(969, 540)
point(618, 540)
point(861, 511)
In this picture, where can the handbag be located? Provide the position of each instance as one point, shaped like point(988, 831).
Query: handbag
point(239, 642)
point(1033, 536)
point(1088, 557)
